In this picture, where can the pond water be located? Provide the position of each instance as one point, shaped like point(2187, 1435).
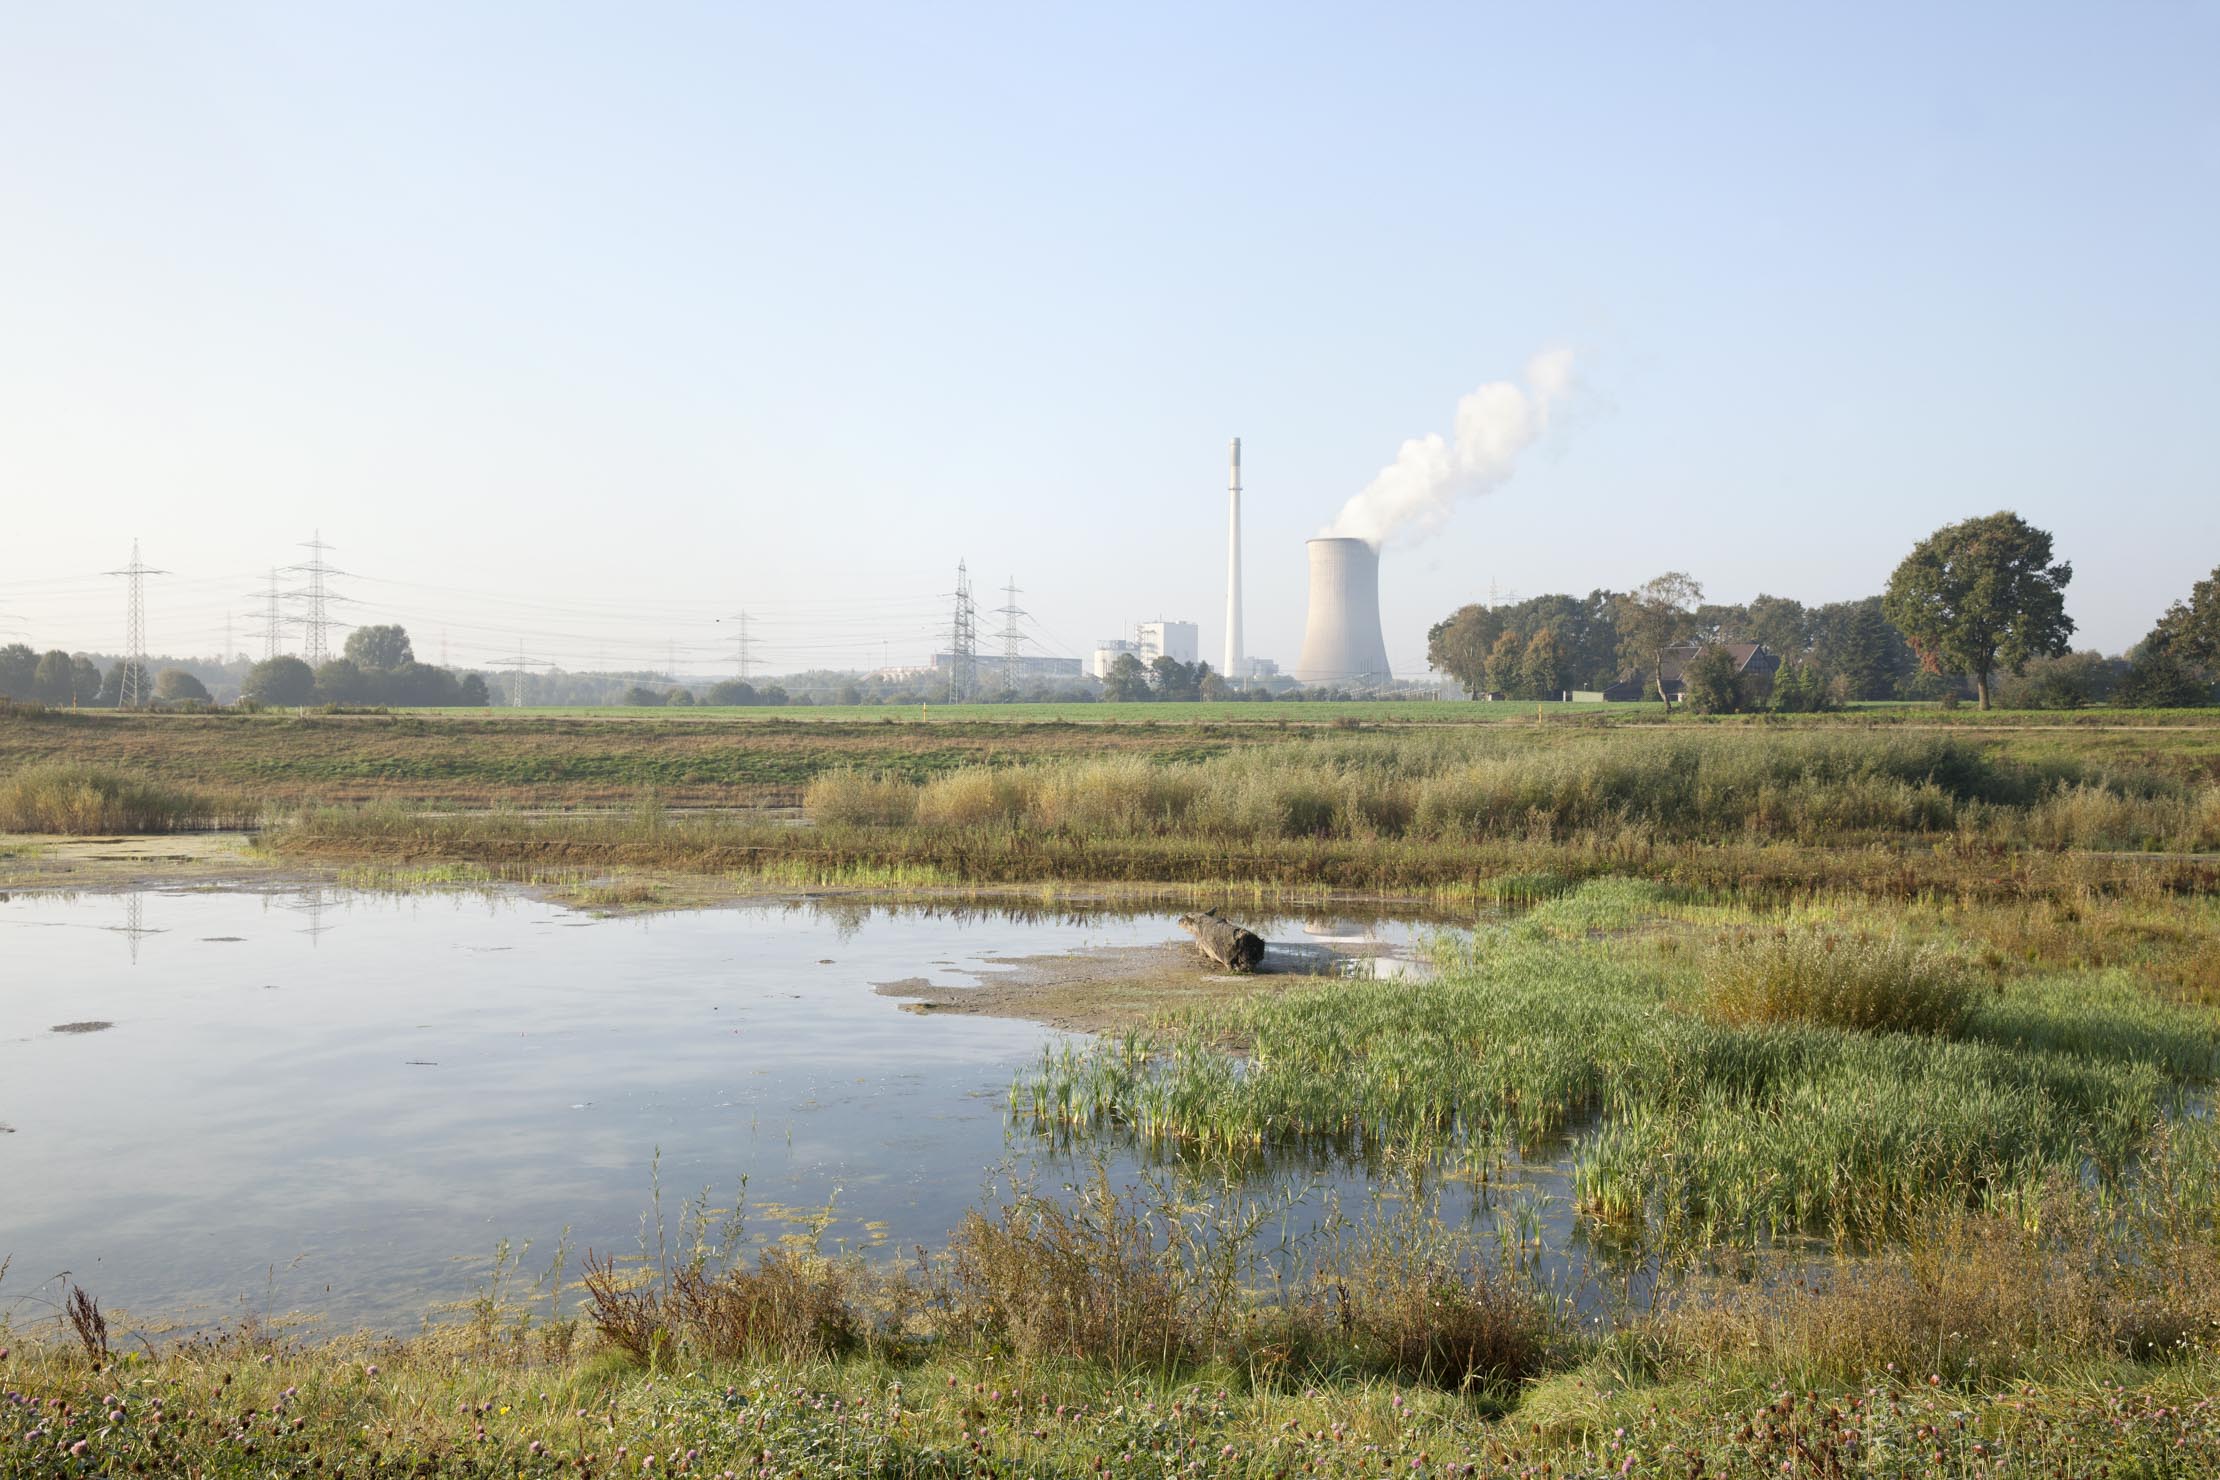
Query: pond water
point(220, 1101)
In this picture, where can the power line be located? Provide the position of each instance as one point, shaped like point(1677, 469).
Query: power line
point(136, 689)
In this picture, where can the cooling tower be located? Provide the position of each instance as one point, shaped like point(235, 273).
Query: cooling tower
point(1342, 643)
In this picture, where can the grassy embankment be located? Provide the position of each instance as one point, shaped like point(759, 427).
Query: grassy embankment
point(739, 758)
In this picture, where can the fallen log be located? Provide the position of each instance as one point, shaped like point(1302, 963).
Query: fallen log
point(1223, 941)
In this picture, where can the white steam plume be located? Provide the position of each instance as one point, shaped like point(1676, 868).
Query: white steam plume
point(1414, 494)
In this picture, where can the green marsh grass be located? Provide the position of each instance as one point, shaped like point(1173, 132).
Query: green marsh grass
point(1681, 1127)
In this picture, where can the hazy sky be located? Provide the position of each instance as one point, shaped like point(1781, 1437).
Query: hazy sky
point(576, 327)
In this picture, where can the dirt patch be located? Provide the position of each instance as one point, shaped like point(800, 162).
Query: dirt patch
point(1113, 987)
point(117, 862)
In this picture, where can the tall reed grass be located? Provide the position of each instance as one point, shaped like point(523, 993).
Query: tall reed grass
point(64, 798)
point(1847, 980)
point(1793, 786)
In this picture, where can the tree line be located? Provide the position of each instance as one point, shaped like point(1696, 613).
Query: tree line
point(1976, 608)
point(377, 665)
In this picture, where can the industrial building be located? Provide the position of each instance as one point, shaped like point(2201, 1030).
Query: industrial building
point(1162, 639)
point(1107, 651)
point(1152, 640)
point(990, 669)
point(1342, 641)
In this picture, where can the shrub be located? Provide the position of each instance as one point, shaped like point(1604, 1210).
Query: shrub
point(1411, 1299)
point(794, 1305)
point(980, 797)
point(1844, 981)
point(1090, 1278)
point(852, 799)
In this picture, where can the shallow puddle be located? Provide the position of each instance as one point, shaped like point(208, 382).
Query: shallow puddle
point(342, 1101)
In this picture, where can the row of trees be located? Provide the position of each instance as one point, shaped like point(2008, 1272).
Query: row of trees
point(730, 693)
point(1972, 603)
point(1549, 645)
point(377, 666)
point(1165, 678)
point(61, 678)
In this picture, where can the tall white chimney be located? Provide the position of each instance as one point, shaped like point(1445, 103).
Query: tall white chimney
point(1234, 662)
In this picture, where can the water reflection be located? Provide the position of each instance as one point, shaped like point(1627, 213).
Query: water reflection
point(329, 1123)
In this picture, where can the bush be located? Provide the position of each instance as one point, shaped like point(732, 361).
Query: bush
point(175, 685)
point(1843, 981)
point(794, 1306)
point(852, 799)
point(975, 798)
point(1092, 1278)
point(1714, 684)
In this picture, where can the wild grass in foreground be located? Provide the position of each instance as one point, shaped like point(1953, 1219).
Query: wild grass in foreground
point(230, 1409)
point(2083, 1344)
point(90, 799)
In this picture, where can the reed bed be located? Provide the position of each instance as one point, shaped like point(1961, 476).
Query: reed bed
point(68, 798)
point(1803, 787)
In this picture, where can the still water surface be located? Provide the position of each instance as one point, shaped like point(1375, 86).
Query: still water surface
point(342, 1101)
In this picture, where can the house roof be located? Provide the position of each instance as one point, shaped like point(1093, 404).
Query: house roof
point(1748, 657)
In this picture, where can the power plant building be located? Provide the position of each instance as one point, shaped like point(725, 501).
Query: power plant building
point(1161, 639)
point(1342, 641)
point(1108, 651)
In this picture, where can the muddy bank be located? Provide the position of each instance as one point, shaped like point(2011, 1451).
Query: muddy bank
point(1108, 988)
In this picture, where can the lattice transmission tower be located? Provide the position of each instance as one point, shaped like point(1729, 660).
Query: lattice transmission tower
point(1012, 640)
point(743, 646)
point(137, 687)
point(315, 598)
point(273, 620)
point(963, 640)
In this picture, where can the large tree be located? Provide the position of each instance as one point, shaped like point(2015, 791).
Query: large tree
point(1652, 619)
point(1781, 623)
point(2175, 665)
point(1458, 645)
point(51, 680)
point(1853, 642)
point(1506, 665)
point(2190, 630)
point(281, 680)
point(175, 685)
point(1127, 681)
point(1542, 665)
point(19, 666)
point(384, 647)
point(1980, 596)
